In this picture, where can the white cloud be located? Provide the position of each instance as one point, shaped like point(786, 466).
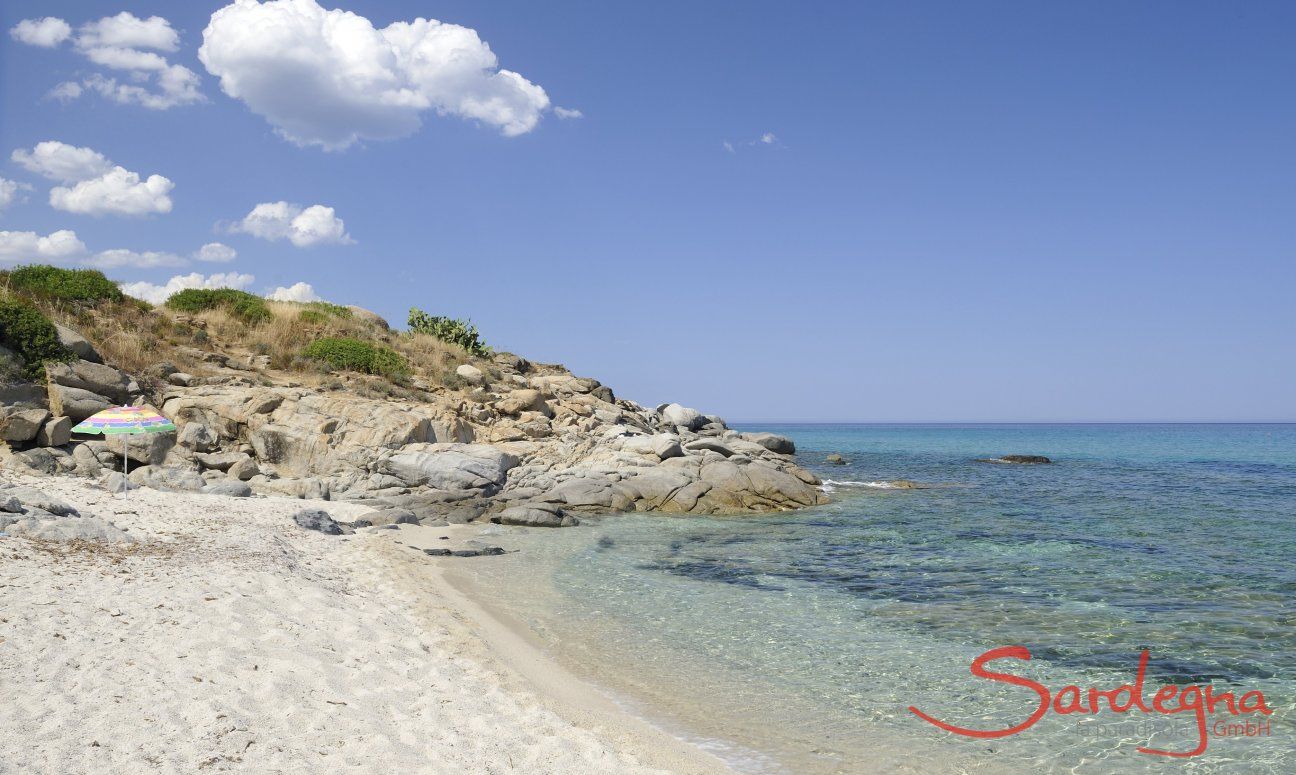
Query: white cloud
point(768, 138)
point(9, 192)
point(18, 246)
point(125, 30)
point(314, 225)
point(215, 252)
point(65, 92)
point(46, 33)
point(119, 257)
point(126, 58)
point(565, 113)
point(156, 294)
point(329, 78)
point(301, 292)
point(117, 192)
point(125, 43)
point(100, 186)
point(62, 162)
point(178, 85)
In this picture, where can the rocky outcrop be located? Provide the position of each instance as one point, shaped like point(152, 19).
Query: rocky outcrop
point(78, 344)
point(517, 442)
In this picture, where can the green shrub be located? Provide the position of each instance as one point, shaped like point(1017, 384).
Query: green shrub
point(452, 330)
point(312, 317)
point(328, 308)
point(88, 285)
point(31, 335)
point(356, 355)
point(244, 306)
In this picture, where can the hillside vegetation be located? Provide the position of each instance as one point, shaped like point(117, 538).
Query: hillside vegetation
point(317, 342)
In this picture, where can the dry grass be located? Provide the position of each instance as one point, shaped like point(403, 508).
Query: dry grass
point(134, 338)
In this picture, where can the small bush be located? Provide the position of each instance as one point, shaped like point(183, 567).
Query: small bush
point(313, 317)
point(328, 308)
point(31, 335)
point(356, 355)
point(452, 330)
point(86, 285)
point(247, 308)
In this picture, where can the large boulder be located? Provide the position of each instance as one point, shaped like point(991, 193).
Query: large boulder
point(773, 442)
point(56, 432)
point(76, 403)
point(168, 478)
point(526, 400)
point(470, 374)
point(452, 467)
point(21, 424)
point(683, 417)
point(197, 437)
point(78, 344)
point(113, 384)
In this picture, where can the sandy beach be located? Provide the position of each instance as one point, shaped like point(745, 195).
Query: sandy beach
point(230, 639)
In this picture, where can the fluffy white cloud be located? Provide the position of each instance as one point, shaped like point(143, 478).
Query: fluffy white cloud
point(117, 192)
point(565, 113)
point(9, 192)
point(330, 78)
point(314, 225)
point(47, 32)
point(216, 252)
point(62, 162)
point(100, 186)
point(156, 294)
point(301, 292)
point(113, 259)
point(29, 246)
point(125, 30)
point(126, 43)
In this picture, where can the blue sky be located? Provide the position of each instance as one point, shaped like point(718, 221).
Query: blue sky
point(987, 211)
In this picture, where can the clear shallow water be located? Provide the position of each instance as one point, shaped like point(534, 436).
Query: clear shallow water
point(806, 636)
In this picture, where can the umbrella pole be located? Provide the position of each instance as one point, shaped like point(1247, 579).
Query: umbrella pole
point(125, 465)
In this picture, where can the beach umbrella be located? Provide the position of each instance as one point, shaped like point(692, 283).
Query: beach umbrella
point(125, 420)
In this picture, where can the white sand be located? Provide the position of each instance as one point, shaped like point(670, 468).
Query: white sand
point(232, 640)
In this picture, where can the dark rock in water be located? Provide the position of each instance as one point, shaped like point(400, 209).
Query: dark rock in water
point(835, 459)
point(318, 519)
point(535, 515)
point(605, 543)
point(487, 551)
point(1017, 459)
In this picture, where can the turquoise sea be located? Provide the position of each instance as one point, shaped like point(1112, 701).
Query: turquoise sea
point(797, 642)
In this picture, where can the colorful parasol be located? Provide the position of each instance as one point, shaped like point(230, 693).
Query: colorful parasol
point(125, 420)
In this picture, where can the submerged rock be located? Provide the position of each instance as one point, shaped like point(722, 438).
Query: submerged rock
point(1029, 460)
point(835, 459)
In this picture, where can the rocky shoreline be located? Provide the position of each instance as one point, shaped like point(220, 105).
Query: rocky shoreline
point(516, 443)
